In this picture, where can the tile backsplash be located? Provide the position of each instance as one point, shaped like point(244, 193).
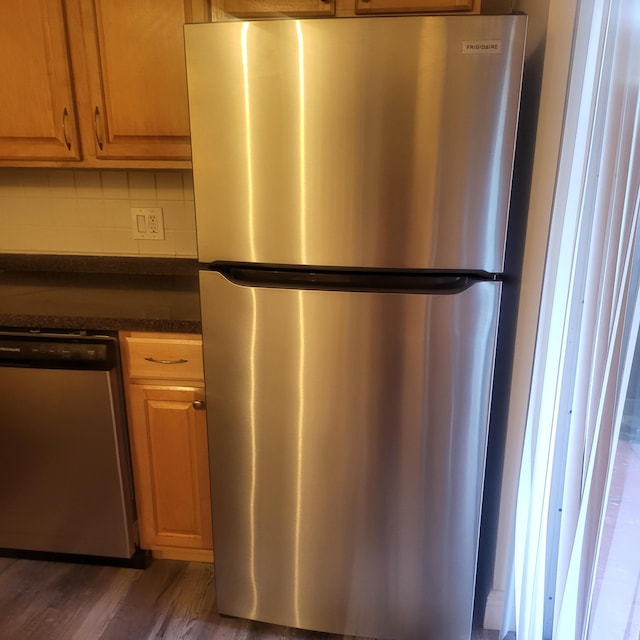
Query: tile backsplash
point(88, 212)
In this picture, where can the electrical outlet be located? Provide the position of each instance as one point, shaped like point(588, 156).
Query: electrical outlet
point(147, 223)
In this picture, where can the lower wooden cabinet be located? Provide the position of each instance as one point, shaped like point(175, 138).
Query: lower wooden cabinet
point(168, 431)
point(168, 437)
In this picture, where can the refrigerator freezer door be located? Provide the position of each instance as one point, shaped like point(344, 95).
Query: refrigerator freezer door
point(347, 441)
point(366, 142)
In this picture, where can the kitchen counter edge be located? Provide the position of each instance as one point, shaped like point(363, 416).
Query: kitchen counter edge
point(172, 281)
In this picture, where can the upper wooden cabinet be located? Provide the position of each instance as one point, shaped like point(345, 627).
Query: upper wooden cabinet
point(234, 9)
point(37, 109)
point(272, 8)
point(132, 90)
point(99, 81)
point(413, 6)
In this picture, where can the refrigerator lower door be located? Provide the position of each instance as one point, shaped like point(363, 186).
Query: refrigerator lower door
point(347, 436)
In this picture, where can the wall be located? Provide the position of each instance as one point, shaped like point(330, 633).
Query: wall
point(74, 211)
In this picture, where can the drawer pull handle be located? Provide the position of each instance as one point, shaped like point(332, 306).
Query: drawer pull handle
point(178, 361)
point(198, 405)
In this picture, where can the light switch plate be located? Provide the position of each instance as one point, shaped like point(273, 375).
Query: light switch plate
point(147, 223)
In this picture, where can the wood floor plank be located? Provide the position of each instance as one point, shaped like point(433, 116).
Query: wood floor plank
point(170, 600)
point(22, 611)
point(113, 589)
point(69, 584)
point(192, 606)
point(148, 599)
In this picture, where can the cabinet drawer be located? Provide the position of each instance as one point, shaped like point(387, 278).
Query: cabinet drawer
point(165, 356)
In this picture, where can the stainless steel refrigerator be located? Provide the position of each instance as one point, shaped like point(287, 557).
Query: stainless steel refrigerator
point(352, 181)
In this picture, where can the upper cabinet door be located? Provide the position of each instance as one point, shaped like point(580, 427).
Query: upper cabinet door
point(38, 120)
point(272, 8)
point(408, 6)
point(136, 103)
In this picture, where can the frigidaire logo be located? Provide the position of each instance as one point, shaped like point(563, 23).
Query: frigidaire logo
point(482, 46)
point(10, 349)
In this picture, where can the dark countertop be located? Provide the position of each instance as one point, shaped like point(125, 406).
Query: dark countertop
point(96, 293)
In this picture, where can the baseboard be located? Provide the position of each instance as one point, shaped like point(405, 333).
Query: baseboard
point(140, 559)
point(180, 553)
point(494, 610)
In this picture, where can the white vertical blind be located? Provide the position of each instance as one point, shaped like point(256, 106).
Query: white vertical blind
point(571, 417)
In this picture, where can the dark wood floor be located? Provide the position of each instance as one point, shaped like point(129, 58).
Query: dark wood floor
point(171, 600)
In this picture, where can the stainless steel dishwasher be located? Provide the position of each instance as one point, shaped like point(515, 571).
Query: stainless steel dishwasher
point(65, 479)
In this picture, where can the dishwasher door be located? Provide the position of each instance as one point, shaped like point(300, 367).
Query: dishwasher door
point(64, 472)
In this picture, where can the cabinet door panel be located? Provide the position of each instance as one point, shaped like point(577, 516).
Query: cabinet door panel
point(137, 105)
point(257, 8)
point(407, 6)
point(38, 118)
point(169, 442)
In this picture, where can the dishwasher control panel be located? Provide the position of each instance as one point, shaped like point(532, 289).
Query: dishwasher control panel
point(60, 352)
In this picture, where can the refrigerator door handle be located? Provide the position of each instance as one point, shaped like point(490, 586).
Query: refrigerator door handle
point(380, 281)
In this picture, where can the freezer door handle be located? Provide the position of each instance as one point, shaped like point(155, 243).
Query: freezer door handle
point(380, 281)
